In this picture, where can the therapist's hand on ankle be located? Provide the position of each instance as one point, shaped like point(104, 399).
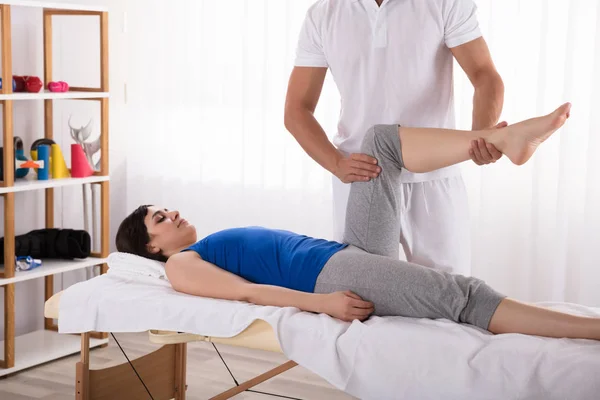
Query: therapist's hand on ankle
point(483, 153)
point(356, 168)
point(346, 306)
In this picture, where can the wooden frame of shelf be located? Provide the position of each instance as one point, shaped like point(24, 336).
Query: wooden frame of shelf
point(9, 198)
point(8, 186)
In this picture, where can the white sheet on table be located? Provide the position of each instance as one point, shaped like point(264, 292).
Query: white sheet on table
point(383, 358)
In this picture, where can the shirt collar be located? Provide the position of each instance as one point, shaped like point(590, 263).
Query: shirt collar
point(372, 1)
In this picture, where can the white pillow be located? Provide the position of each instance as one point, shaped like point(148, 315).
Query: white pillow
point(131, 264)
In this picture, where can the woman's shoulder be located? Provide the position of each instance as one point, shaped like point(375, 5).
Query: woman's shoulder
point(182, 257)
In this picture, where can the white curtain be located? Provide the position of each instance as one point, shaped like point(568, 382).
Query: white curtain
point(535, 227)
point(206, 85)
point(210, 139)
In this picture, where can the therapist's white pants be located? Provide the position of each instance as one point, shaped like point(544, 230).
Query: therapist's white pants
point(435, 222)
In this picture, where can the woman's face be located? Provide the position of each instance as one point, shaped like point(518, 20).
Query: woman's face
point(168, 232)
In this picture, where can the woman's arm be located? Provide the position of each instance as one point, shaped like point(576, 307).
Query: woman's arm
point(189, 273)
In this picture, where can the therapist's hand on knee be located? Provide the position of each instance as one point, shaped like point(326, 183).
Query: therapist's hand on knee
point(356, 168)
point(346, 306)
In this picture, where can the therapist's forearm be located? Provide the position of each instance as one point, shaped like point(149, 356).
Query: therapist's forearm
point(488, 100)
point(267, 295)
point(307, 131)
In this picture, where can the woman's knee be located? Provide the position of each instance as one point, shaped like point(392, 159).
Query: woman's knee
point(368, 143)
point(381, 138)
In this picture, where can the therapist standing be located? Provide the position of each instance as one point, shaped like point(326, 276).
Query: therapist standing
point(392, 61)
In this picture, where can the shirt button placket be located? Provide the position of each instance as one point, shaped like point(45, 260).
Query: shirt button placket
point(380, 31)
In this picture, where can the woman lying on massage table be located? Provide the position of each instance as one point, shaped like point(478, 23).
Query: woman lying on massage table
point(362, 276)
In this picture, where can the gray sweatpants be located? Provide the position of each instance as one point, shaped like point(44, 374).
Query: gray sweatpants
point(370, 266)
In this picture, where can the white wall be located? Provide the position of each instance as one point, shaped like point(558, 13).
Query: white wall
point(76, 60)
point(211, 94)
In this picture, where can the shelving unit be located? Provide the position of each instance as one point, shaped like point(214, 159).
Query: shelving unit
point(45, 345)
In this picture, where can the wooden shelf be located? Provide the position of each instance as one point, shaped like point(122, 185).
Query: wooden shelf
point(42, 346)
point(28, 184)
point(51, 267)
point(59, 6)
point(46, 95)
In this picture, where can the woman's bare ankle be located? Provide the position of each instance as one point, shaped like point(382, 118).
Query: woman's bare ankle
point(498, 137)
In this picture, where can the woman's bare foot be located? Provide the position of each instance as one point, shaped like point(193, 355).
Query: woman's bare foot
point(522, 139)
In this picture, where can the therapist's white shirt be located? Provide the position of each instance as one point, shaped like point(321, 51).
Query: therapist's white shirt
point(391, 64)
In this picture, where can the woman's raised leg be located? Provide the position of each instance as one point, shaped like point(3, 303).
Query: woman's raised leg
point(373, 213)
point(425, 150)
point(373, 210)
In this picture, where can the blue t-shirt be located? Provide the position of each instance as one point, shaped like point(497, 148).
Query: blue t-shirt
point(268, 256)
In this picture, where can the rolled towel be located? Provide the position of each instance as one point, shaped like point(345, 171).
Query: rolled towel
point(52, 244)
point(126, 263)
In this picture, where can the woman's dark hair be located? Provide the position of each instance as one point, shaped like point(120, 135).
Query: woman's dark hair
point(132, 236)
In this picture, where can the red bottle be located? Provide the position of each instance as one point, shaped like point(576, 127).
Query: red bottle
point(33, 84)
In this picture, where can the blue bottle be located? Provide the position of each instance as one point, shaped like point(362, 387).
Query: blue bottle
point(44, 155)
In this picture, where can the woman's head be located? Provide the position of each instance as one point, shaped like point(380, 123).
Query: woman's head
point(154, 233)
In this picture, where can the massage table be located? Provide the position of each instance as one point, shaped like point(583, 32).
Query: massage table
point(380, 358)
point(164, 370)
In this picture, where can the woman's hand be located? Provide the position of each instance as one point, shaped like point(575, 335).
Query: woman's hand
point(346, 306)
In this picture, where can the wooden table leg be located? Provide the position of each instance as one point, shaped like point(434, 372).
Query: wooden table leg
point(82, 382)
point(180, 370)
